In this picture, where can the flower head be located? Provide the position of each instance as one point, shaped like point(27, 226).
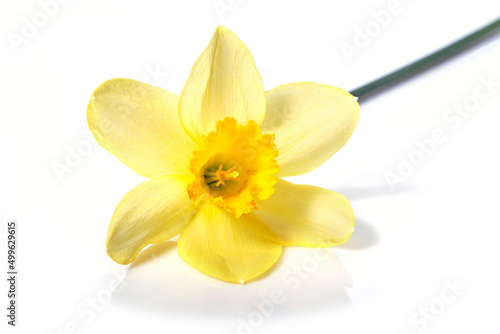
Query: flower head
point(215, 157)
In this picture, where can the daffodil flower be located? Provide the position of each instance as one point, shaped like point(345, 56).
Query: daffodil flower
point(215, 157)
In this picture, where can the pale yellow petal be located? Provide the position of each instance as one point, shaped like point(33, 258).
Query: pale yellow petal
point(139, 124)
point(302, 215)
point(223, 83)
point(225, 247)
point(154, 211)
point(311, 122)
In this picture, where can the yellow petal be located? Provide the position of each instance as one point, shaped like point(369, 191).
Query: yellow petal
point(223, 83)
point(139, 124)
point(225, 247)
point(311, 122)
point(302, 215)
point(154, 211)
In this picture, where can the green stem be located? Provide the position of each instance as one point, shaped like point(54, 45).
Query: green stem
point(431, 60)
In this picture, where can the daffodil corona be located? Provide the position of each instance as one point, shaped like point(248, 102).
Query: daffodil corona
point(235, 164)
point(215, 157)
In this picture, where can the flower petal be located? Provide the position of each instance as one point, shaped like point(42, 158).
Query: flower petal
point(225, 247)
point(139, 124)
point(302, 215)
point(311, 123)
point(154, 211)
point(223, 83)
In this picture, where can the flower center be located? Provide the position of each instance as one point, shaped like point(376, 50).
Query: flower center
point(219, 176)
point(235, 164)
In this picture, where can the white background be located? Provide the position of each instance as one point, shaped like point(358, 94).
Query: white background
point(439, 227)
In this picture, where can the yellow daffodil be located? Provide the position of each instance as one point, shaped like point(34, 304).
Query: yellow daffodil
point(215, 157)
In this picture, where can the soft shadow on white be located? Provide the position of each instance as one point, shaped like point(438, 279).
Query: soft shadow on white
point(365, 236)
point(357, 193)
point(309, 280)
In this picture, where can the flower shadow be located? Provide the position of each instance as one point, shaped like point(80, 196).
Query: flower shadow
point(152, 252)
point(365, 236)
point(358, 193)
point(308, 279)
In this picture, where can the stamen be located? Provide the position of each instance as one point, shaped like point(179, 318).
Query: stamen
point(221, 176)
point(231, 174)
